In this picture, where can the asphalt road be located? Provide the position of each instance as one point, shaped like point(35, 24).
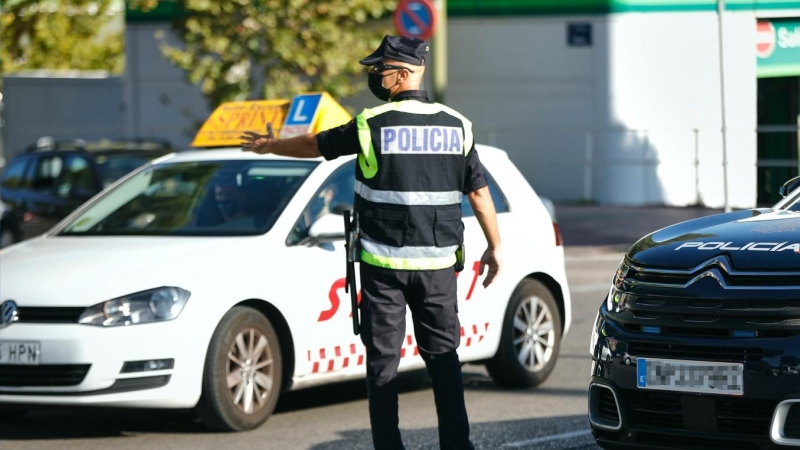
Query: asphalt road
point(552, 416)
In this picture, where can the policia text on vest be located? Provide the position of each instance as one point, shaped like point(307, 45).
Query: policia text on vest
point(416, 160)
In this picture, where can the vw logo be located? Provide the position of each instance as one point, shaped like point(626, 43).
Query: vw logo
point(8, 313)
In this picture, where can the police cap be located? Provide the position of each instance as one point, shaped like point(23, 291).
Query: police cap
point(399, 48)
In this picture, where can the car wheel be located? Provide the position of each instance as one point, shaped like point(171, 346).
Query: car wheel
point(242, 375)
point(530, 340)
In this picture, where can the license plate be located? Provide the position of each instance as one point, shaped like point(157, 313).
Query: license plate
point(20, 352)
point(690, 376)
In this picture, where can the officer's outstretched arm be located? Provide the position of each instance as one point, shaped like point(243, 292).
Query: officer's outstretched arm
point(483, 206)
point(304, 146)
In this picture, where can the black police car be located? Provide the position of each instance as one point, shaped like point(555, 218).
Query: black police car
point(697, 345)
point(50, 179)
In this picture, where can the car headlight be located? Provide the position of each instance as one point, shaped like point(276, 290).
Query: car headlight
point(615, 301)
point(154, 305)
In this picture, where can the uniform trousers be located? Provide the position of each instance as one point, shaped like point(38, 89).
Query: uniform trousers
point(431, 297)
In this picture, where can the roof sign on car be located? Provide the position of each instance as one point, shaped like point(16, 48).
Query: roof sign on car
point(305, 113)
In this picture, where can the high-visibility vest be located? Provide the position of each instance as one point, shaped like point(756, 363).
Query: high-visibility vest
point(409, 184)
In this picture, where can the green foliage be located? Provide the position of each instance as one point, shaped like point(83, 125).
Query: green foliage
point(239, 49)
point(62, 35)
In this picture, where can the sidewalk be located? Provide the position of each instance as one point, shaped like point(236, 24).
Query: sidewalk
point(615, 228)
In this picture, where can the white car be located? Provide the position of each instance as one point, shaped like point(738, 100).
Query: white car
point(214, 279)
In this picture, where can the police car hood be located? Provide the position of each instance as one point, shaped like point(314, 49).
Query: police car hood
point(760, 239)
point(81, 271)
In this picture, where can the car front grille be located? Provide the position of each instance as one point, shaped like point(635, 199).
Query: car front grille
point(691, 442)
point(695, 352)
point(735, 416)
point(37, 314)
point(45, 375)
point(608, 406)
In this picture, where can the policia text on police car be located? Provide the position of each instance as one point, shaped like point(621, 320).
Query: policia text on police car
point(416, 160)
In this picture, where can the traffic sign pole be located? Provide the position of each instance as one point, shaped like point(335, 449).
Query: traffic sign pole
point(439, 65)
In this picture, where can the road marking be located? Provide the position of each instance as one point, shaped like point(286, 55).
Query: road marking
point(584, 288)
point(555, 437)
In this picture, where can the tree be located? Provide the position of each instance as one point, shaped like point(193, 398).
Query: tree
point(236, 49)
point(62, 35)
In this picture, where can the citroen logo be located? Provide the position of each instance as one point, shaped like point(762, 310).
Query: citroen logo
point(8, 313)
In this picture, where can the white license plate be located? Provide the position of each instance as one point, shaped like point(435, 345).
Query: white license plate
point(690, 376)
point(20, 352)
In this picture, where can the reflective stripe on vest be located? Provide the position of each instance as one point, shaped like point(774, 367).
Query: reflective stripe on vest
point(388, 262)
point(388, 251)
point(367, 160)
point(408, 198)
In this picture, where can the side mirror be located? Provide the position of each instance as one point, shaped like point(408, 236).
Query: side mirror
point(789, 186)
point(327, 228)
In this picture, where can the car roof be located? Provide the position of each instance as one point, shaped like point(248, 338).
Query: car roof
point(236, 153)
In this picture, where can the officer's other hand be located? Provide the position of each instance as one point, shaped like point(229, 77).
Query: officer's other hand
point(492, 259)
point(257, 143)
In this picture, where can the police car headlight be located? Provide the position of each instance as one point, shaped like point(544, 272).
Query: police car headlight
point(155, 305)
point(615, 301)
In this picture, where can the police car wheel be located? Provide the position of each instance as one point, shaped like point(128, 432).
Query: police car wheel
point(530, 340)
point(242, 375)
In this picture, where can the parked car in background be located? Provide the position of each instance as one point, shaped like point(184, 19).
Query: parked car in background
point(51, 179)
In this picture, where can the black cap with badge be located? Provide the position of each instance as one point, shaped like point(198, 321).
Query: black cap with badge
point(399, 48)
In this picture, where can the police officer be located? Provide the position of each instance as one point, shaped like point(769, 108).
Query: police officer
point(416, 160)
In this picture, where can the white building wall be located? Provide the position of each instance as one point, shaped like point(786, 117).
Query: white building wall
point(619, 122)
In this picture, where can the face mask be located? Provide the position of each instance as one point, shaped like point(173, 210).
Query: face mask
point(375, 83)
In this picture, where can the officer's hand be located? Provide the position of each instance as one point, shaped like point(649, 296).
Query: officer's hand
point(494, 260)
point(257, 143)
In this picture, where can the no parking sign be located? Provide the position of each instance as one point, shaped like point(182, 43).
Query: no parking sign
point(415, 18)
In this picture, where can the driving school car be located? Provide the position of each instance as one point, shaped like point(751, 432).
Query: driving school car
point(214, 280)
point(697, 345)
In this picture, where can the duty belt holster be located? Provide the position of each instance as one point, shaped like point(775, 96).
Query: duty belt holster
point(352, 254)
point(460, 258)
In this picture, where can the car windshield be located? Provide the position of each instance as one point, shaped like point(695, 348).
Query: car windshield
point(114, 166)
point(201, 198)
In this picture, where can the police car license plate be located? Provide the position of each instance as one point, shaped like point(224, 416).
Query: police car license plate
point(690, 376)
point(20, 353)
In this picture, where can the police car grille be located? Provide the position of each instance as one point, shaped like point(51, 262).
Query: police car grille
point(711, 317)
point(36, 314)
point(45, 375)
point(695, 352)
point(691, 442)
point(681, 279)
point(744, 416)
point(655, 409)
point(664, 410)
point(608, 406)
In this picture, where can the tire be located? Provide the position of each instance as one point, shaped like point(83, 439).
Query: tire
point(509, 367)
point(249, 403)
point(7, 238)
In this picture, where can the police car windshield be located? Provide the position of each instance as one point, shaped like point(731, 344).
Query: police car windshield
point(201, 198)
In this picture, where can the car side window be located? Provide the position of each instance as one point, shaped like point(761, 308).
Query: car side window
point(14, 174)
point(334, 196)
point(46, 172)
point(77, 179)
point(500, 203)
